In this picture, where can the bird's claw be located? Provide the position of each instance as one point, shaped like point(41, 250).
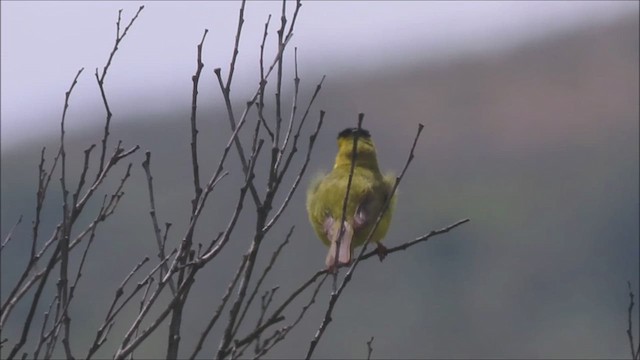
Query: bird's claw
point(382, 251)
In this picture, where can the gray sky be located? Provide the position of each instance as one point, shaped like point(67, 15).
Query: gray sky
point(45, 43)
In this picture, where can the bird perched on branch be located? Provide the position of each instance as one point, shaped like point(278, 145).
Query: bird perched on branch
point(367, 196)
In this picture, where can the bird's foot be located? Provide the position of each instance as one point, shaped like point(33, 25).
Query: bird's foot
point(335, 266)
point(382, 251)
point(332, 269)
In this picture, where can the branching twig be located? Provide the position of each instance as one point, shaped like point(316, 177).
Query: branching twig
point(128, 344)
point(263, 81)
point(50, 265)
point(100, 80)
point(294, 105)
point(142, 301)
point(146, 164)
point(194, 129)
point(103, 331)
point(219, 309)
point(226, 90)
point(248, 270)
point(266, 271)
point(44, 326)
point(280, 334)
point(369, 348)
point(312, 140)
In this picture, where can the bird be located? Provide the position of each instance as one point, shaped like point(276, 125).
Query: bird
point(368, 194)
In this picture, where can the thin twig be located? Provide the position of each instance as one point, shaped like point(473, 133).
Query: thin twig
point(283, 22)
point(42, 339)
point(297, 135)
point(354, 158)
point(294, 106)
point(276, 315)
point(283, 332)
point(128, 344)
point(312, 140)
point(103, 331)
point(247, 272)
point(100, 80)
point(634, 353)
point(146, 164)
point(266, 271)
point(142, 301)
point(226, 91)
point(219, 309)
point(369, 348)
point(50, 265)
point(194, 129)
point(263, 81)
point(85, 168)
point(10, 234)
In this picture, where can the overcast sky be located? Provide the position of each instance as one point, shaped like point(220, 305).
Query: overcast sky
point(45, 43)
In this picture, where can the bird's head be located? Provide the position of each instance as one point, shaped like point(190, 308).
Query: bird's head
point(365, 149)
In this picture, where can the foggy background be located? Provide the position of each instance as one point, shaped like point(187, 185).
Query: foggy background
point(531, 130)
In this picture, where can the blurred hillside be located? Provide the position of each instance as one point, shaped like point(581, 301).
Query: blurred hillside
point(538, 145)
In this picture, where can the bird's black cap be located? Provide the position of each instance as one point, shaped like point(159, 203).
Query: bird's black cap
point(349, 132)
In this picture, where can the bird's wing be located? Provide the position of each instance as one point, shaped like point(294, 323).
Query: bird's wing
point(390, 182)
point(372, 203)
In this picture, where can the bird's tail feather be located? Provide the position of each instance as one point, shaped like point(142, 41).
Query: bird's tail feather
point(344, 256)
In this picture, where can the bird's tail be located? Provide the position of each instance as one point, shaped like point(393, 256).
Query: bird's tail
point(344, 255)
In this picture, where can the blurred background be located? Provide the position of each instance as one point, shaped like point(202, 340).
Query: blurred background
point(531, 130)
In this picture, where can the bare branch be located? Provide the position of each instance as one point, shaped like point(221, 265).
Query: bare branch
point(263, 81)
point(236, 46)
point(266, 271)
point(226, 92)
point(34, 304)
point(146, 164)
point(248, 270)
point(354, 157)
point(230, 226)
point(142, 301)
point(312, 140)
point(634, 353)
point(128, 344)
point(10, 234)
point(194, 129)
point(294, 105)
point(100, 80)
point(276, 315)
point(281, 334)
point(283, 22)
point(218, 312)
point(36, 298)
point(44, 179)
point(85, 168)
point(44, 325)
point(18, 292)
point(103, 331)
point(369, 348)
point(420, 239)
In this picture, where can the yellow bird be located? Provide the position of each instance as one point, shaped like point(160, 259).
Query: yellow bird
point(367, 196)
